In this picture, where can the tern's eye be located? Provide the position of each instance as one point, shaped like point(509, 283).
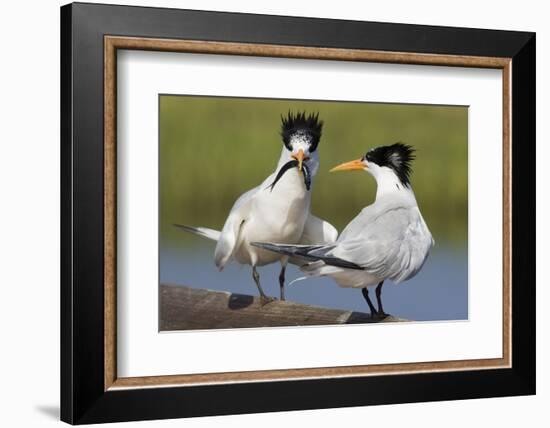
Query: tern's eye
point(313, 144)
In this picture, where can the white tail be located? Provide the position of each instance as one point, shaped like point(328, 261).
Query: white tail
point(212, 234)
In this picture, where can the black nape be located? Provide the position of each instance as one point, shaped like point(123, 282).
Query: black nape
point(398, 157)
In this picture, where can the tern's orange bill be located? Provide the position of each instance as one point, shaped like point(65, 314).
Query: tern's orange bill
point(300, 158)
point(356, 164)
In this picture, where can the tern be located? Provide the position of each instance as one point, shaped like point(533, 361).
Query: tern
point(388, 239)
point(278, 210)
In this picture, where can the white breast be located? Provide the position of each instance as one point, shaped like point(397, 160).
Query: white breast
point(277, 215)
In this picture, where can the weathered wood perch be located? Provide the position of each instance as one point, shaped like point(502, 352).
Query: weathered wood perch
point(185, 308)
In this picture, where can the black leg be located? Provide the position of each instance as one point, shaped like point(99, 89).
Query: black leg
point(263, 297)
point(379, 299)
point(367, 298)
point(256, 277)
point(282, 281)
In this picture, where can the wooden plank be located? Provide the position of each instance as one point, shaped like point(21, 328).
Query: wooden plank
point(186, 308)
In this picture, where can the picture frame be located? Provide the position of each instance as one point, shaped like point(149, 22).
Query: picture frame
point(91, 391)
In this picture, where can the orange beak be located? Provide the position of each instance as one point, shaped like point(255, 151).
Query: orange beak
point(350, 166)
point(300, 158)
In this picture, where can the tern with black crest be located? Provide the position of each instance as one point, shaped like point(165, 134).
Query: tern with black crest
point(278, 210)
point(389, 239)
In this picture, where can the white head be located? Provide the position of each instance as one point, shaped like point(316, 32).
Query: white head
point(389, 165)
point(301, 134)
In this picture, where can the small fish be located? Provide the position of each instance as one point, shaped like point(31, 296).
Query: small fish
point(307, 176)
point(291, 164)
point(284, 168)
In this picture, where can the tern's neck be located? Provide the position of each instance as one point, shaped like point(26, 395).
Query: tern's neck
point(389, 184)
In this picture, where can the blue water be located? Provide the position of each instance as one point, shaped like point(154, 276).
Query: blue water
point(438, 292)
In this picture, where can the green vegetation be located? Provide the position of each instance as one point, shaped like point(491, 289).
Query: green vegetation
point(214, 149)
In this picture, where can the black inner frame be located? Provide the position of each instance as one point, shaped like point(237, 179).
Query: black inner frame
point(83, 399)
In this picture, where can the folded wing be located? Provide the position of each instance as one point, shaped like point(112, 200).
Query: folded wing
point(391, 244)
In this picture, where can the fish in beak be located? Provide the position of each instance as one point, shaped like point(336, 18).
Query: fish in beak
point(297, 160)
point(353, 165)
point(300, 158)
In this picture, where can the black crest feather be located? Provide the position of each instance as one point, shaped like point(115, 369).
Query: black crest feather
point(302, 123)
point(398, 157)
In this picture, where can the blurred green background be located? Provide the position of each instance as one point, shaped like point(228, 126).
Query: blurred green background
point(212, 149)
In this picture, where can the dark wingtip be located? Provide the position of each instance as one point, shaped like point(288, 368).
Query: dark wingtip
point(264, 245)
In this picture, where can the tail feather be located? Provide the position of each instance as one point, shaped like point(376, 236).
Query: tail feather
point(205, 232)
point(310, 253)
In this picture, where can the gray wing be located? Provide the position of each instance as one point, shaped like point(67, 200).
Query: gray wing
point(361, 222)
point(318, 231)
point(391, 244)
point(318, 235)
point(230, 234)
point(303, 254)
